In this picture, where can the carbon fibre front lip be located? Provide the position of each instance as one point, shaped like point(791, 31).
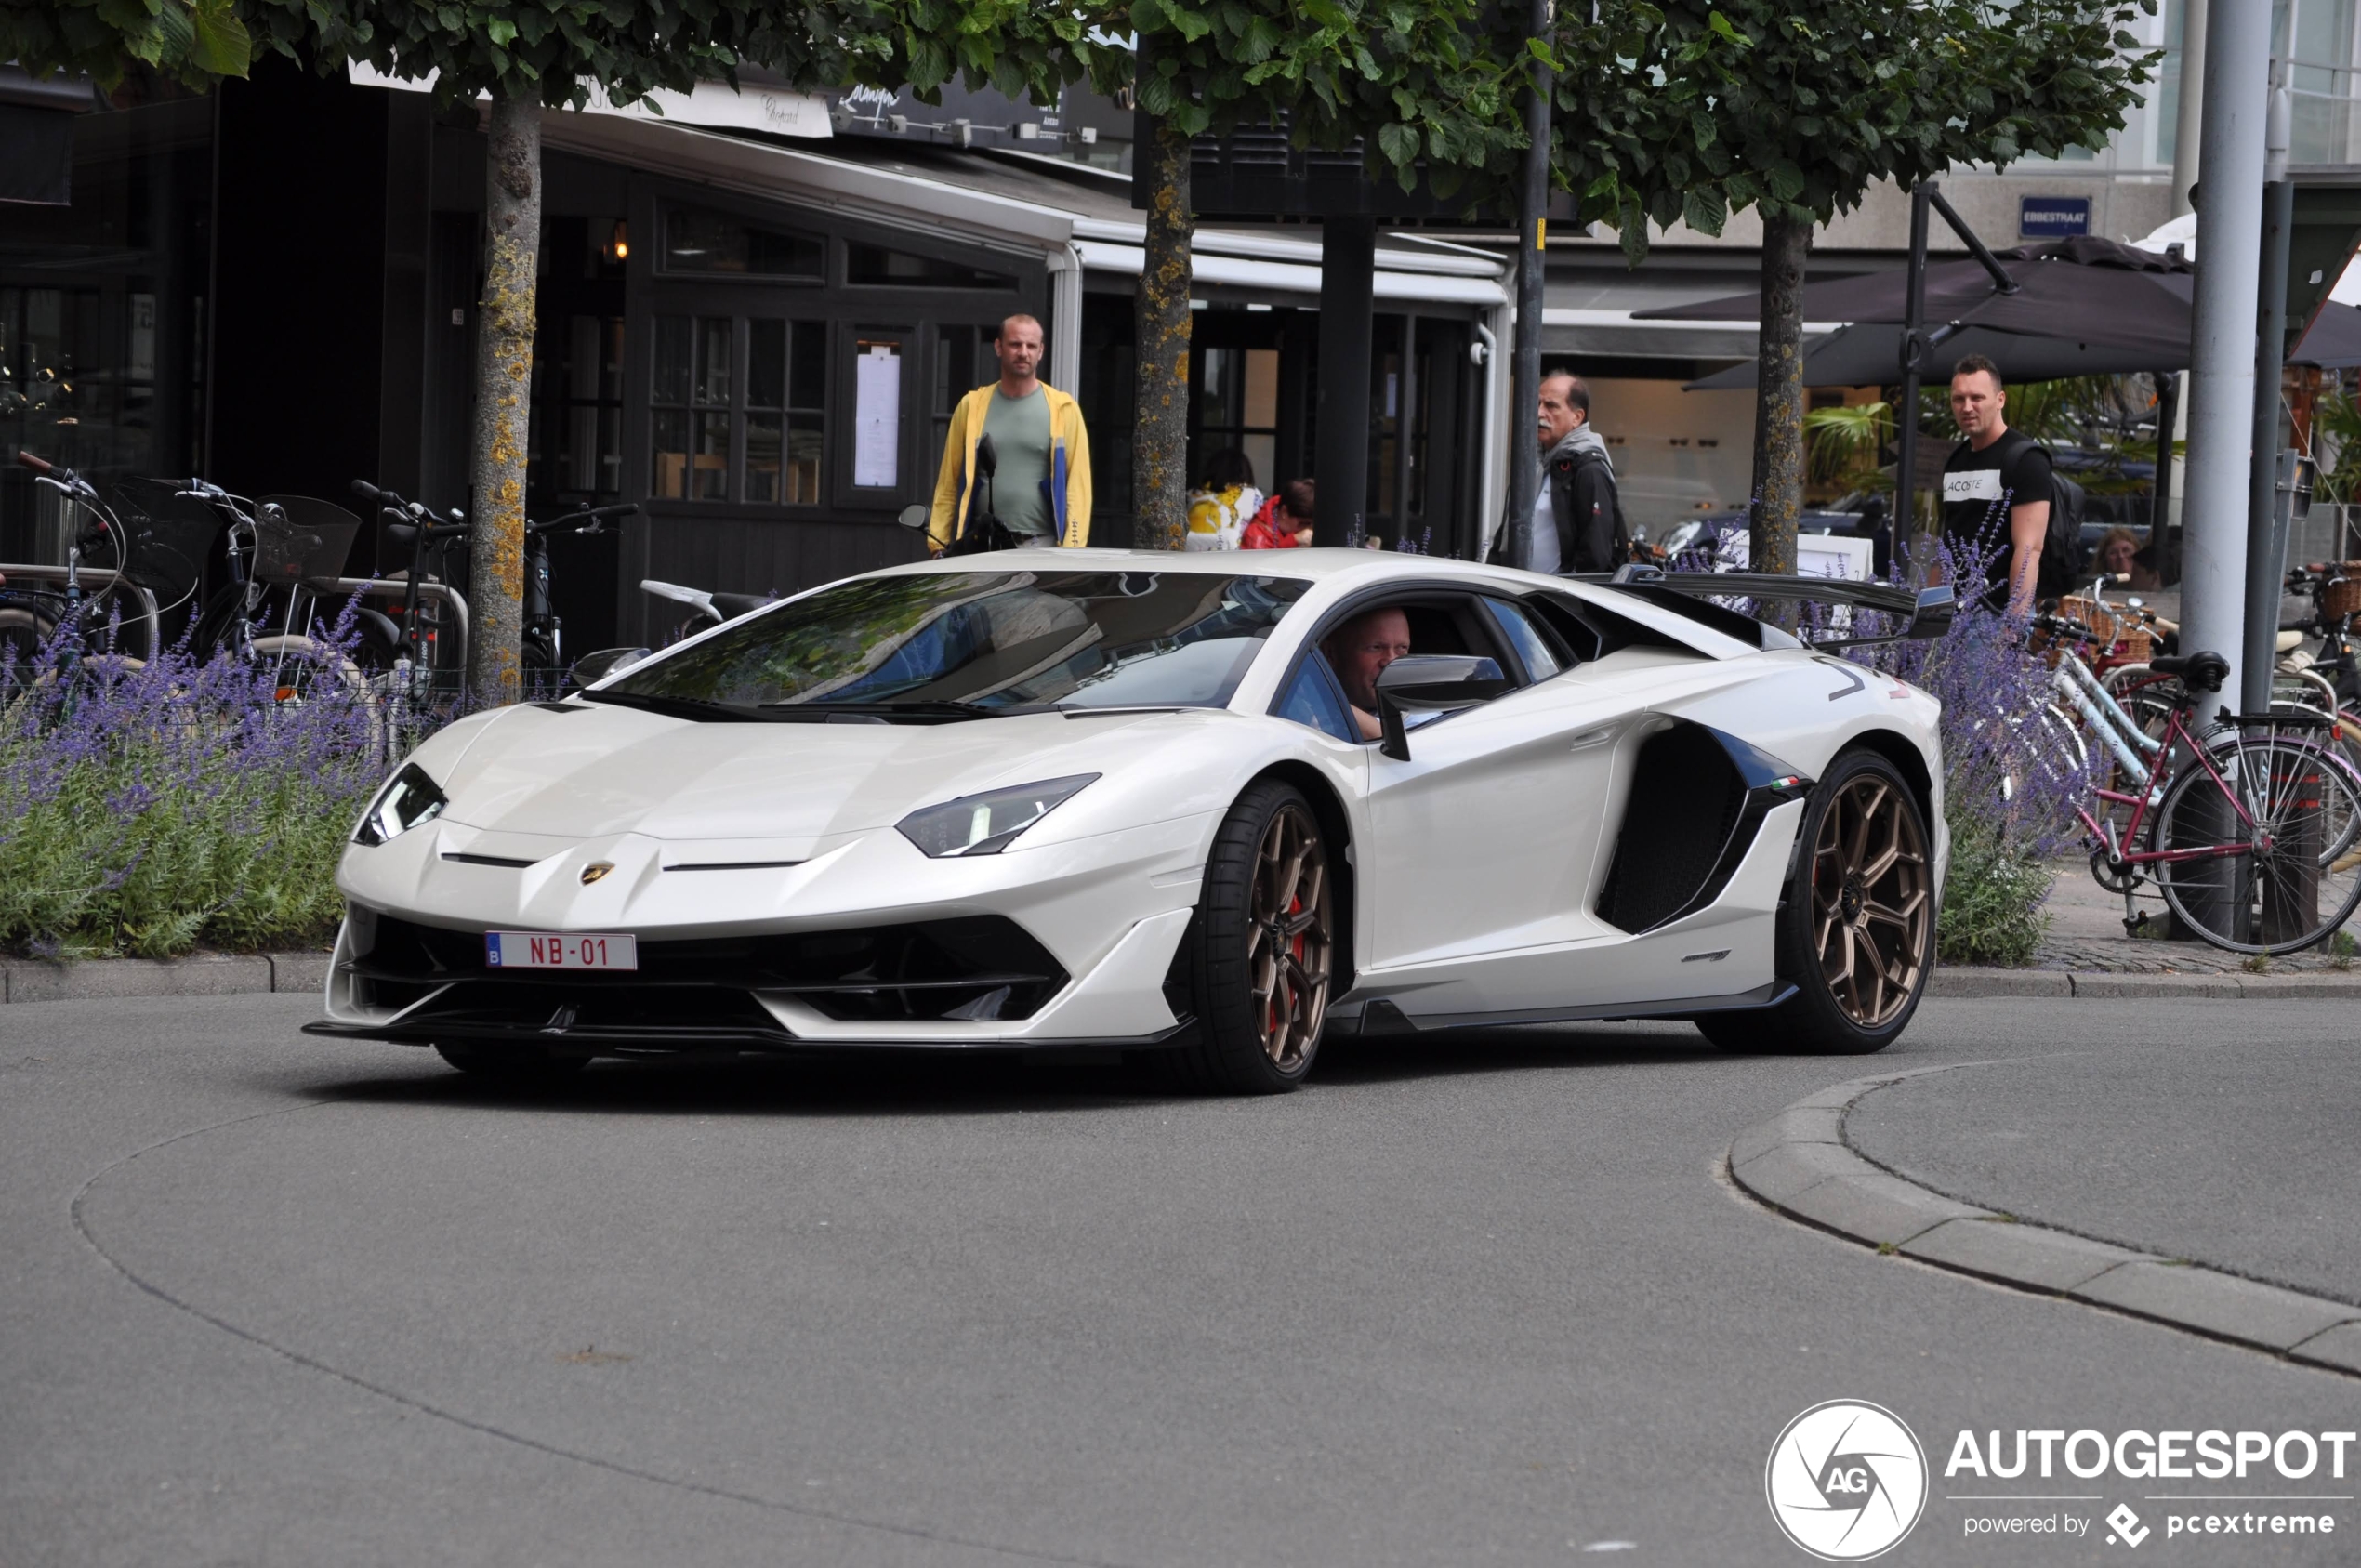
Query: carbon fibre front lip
point(600, 1040)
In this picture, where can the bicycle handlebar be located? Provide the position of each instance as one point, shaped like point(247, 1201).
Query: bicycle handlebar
point(587, 519)
point(38, 466)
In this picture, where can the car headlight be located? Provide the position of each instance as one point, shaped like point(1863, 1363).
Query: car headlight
point(983, 824)
point(408, 798)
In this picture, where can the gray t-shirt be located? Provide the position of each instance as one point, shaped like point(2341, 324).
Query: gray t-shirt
point(1019, 432)
point(1544, 531)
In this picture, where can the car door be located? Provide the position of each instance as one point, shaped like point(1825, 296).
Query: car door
point(1489, 846)
point(1485, 838)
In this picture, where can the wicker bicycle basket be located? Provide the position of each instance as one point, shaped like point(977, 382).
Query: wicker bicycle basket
point(299, 539)
point(2340, 598)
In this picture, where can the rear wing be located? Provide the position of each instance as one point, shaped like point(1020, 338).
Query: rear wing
point(1925, 613)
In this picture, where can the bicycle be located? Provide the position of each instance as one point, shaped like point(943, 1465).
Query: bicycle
point(546, 673)
point(290, 543)
point(2251, 839)
point(418, 648)
point(31, 619)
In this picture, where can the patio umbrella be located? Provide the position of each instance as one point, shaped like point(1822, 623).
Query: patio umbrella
point(1865, 354)
point(2084, 290)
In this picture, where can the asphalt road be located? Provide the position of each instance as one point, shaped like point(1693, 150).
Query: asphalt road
point(273, 1300)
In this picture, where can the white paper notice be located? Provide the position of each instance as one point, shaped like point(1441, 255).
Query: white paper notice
point(877, 417)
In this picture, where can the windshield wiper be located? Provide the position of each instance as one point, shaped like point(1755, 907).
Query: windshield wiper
point(679, 708)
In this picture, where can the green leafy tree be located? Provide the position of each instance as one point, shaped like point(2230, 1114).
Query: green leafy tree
point(1689, 110)
point(1417, 82)
point(195, 42)
point(527, 55)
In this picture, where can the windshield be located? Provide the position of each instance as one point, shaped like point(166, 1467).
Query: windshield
point(982, 642)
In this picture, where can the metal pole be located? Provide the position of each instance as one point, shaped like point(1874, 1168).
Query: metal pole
point(2267, 547)
point(1914, 354)
point(2163, 540)
point(2237, 91)
point(1348, 279)
point(2188, 121)
point(1525, 381)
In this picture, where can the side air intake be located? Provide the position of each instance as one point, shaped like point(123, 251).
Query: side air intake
point(1697, 800)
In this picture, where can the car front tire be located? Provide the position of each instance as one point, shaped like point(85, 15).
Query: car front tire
point(1856, 932)
point(1259, 954)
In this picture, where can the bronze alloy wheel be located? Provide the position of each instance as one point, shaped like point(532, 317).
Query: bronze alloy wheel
point(1288, 936)
point(1871, 899)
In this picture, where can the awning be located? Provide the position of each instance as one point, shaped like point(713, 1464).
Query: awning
point(753, 106)
point(1579, 330)
point(1279, 277)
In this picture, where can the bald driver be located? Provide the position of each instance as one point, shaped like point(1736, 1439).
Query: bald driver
point(1359, 651)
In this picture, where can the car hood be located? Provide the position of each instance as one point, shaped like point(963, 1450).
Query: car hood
point(592, 771)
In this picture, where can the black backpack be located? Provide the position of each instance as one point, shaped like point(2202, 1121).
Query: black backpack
point(2061, 569)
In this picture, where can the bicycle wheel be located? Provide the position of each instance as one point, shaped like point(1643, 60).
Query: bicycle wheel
point(2293, 871)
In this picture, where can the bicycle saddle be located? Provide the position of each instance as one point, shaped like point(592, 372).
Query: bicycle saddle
point(736, 604)
point(2203, 671)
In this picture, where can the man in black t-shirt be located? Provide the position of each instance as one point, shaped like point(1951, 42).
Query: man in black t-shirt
point(1993, 463)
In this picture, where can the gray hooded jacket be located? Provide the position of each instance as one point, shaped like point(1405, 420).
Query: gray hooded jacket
point(1580, 477)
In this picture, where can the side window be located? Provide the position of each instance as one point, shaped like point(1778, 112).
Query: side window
point(1313, 698)
point(1535, 646)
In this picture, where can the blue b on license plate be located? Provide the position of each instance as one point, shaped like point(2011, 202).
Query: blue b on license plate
point(560, 949)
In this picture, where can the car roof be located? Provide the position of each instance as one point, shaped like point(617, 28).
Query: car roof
point(1316, 564)
point(1346, 569)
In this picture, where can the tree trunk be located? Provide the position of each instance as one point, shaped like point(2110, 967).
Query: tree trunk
point(1778, 416)
point(1160, 419)
point(504, 382)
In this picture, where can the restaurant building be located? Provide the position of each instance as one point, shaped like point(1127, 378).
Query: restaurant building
point(756, 314)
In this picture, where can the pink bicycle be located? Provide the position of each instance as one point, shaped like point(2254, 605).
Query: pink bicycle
point(2254, 839)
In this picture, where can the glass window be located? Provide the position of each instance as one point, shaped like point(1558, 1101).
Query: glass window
point(1314, 699)
point(578, 408)
point(698, 240)
point(880, 268)
point(992, 641)
point(1237, 393)
point(963, 360)
point(1533, 645)
point(784, 413)
point(777, 409)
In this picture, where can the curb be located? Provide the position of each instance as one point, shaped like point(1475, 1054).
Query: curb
point(1798, 1164)
point(1979, 984)
point(109, 979)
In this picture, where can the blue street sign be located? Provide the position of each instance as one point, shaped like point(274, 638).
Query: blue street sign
point(2052, 218)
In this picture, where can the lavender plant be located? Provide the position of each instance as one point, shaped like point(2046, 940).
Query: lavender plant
point(147, 808)
point(2011, 776)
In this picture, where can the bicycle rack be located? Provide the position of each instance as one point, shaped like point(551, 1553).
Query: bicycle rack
point(97, 581)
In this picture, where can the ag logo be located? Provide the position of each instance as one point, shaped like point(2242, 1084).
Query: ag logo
point(1846, 1480)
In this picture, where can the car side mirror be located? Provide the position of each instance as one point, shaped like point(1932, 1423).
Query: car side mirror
point(593, 667)
point(917, 515)
point(1431, 683)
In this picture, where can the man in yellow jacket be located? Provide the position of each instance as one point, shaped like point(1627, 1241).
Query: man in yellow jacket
point(1041, 489)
